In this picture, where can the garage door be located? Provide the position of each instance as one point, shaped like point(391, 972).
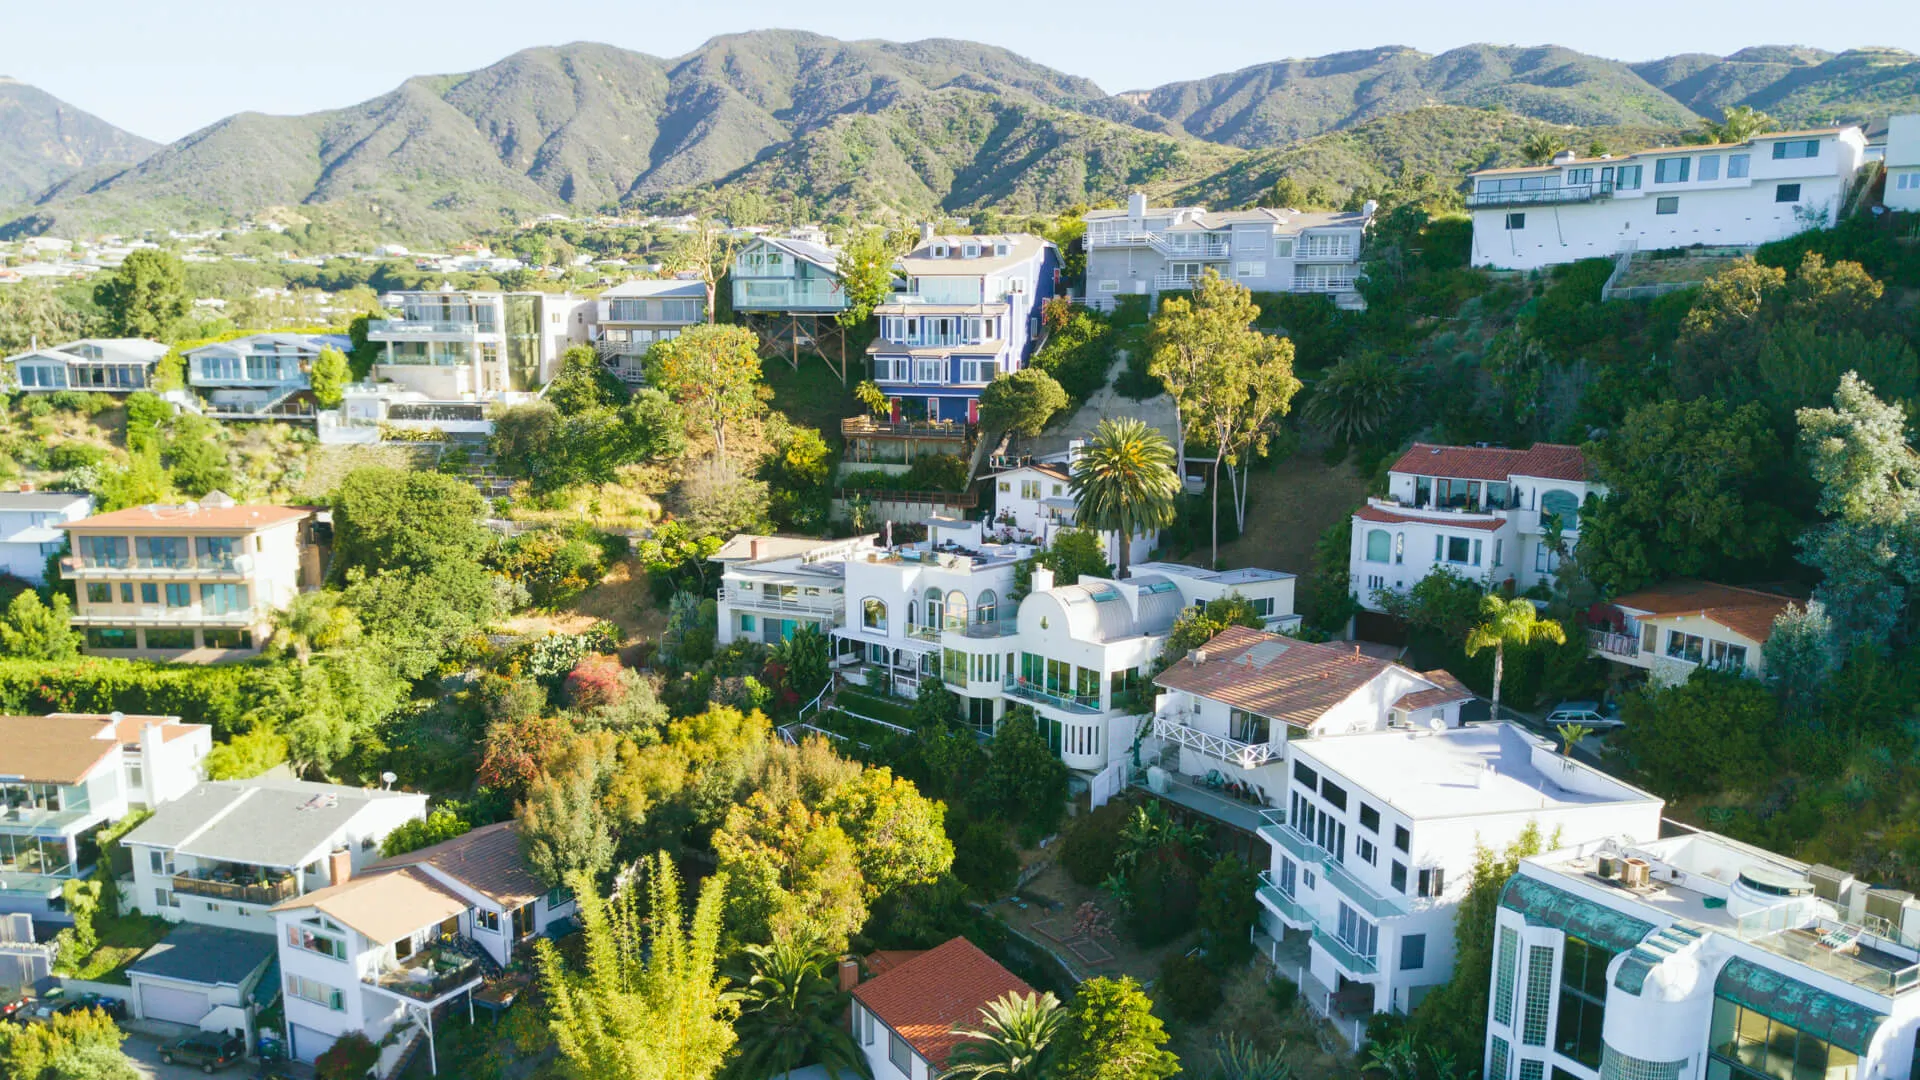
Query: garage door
point(308, 1043)
point(170, 1003)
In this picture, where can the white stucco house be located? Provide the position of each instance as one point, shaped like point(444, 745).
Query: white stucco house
point(30, 529)
point(1672, 629)
point(1487, 513)
point(1740, 194)
point(1903, 164)
point(1034, 502)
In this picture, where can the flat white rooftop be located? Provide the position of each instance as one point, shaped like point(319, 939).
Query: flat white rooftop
point(1465, 771)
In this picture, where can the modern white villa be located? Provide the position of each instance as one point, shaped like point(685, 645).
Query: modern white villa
point(635, 314)
point(1034, 502)
point(260, 376)
point(1697, 957)
point(109, 365)
point(1739, 194)
point(1147, 250)
point(1496, 516)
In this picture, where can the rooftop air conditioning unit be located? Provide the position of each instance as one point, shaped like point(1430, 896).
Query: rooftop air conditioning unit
point(1634, 873)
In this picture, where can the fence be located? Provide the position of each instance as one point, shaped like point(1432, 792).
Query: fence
point(1107, 783)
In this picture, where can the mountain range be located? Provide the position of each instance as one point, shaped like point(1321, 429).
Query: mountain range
point(861, 126)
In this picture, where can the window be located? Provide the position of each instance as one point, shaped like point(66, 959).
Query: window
point(899, 1054)
point(1413, 952)
point(1246, 727)
point(180, 594)
point(1755, 1045)
point(136, 778)
point(1579, 177)
point(1499, 550)
point(747, 622)
point(978, 371)
point(1333, 793)
point(1583, 1001)
point(1562, 505)
point(170, 639)
point(1402, 839)
point(1516, 221)
point(157, 862)
point(1539, 994)
point(99, 593)
point(1723, 656)
point(222, 599)
point(873, 614)
point(891, 368)
point(1786, 193)
point(1109, 286)
point(1305, 775)
point(1628, 178)
point(1667, 204)
point(164, 898)
point(1687, 647)
point(1497, 1060)
point(310, 938)
point(1672, 170)
point(1709, 167)
point(1250, 269)
point(1545, 559)
point(1738, 165)
point(103, 637)
point(1433, 881)
point(126, 592)
point(1533, 1069)
point(929, 371)
point(1397, 877)
point(1369, 818)
point(317, 992)
point(1796, 149)
point(1368, 851)
point(149, 593)
point(1357, 933)
point(1379, 545)
point(1283, 248)
point(1504, 966)
point(1458, 549)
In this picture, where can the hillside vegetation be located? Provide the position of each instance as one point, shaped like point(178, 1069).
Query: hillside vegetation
point(44, 140)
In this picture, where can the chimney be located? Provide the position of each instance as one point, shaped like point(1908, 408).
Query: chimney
point(26, 486)
point(849, 973)
point(1137, 205)
point(926, 232)
point(1042, 580)
point(1198, 656)
point(755, 547)
point(339, 866)
point(1563, 157)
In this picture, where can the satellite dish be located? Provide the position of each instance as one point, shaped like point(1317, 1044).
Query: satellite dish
point(388, 778)
point(1437, 723)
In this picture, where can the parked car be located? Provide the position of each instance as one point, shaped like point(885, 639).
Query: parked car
point(12, 1008)
point(210, 1050)
point(1589, 714)
point(43, 1010)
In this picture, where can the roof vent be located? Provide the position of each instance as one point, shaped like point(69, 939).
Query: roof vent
point(1199, 657)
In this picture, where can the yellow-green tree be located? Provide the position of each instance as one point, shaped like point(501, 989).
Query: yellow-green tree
point(714, 374)
point(1506, 622)
point(649, 1003)
point(329, 378)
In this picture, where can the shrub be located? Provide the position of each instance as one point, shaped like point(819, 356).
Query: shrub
point(1165, 892)
point(350, 1057)
point(1282, 992)
point(1093, 842)
point(983, 860)
point(937, 472)
point(1188, 988)
point(80, 401)
point(595, 683)
point(68, 456)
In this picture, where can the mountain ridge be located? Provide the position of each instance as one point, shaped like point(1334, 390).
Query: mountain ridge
point(44, 141)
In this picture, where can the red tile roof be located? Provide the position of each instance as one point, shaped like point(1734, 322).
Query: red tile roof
point(1747, 612)
point(1549, 461)
point(1446, 690)
point(922, 999)
point(1388, 517)
point(156, 518)
point(1269, 675)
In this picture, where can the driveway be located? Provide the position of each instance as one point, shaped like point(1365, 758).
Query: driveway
point(145, 1052)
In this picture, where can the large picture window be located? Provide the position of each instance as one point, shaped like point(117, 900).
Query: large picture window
point(1749, 1045)
point(1583, 1001)
point(873, 614)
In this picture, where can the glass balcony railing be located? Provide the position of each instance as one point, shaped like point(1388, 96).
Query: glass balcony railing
point(1081, 704)
point(1343, 955)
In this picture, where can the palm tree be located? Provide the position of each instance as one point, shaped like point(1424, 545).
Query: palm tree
point(789, 1015)
point(1509, 622)
point(1358, 396)
point(315, 622)
point(1012, 1041)
point(1539, 148)
point(1738, 124)
point(1123, 482)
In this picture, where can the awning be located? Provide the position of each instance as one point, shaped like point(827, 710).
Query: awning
point(1826, 1016)
point(1592, 922)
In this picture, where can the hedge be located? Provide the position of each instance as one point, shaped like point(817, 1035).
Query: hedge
point(221, 695)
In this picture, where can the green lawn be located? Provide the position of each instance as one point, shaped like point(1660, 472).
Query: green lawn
point(122, 939)
point(891, 710)
point(813, 396)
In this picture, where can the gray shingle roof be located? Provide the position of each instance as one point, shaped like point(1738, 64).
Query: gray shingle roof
point(211, 955)
point(265, 821)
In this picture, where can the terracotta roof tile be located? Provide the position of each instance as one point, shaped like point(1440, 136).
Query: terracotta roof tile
point(922, 999)
point(1551, 461)
point(486, 859)
point(1747, 612)
point(1446, 690)
point(1388, 517)
point(1273, 676)
point(158, 518)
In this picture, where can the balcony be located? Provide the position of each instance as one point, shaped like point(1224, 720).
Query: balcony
point(1301, 847)
point(1291, 911)
point(1077, 704)
point(992, 628)
point(762, 600)
point(163, 616)
point(1322, 285)
point(1626, 646)
point(1547, 196)
point(1344, 956)
point(396, 329)
point(240, 885)
point(868, 427)
point(75, 567)
point(1175, 281)
point(429, 974)
point(1177, 247)
point(786, 294)
point(31, 818)
point(1239, 754)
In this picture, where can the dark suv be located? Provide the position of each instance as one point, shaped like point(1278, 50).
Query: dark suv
point(210, 1050)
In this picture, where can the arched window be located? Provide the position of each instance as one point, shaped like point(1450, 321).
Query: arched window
point(1563, 504)
point(986, 609)
point(1379, 545)
point(873, 614)
point(956, 611)
point(930, 616)
point(1399, 548)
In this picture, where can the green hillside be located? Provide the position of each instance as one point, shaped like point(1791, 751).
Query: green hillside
point(44, 140)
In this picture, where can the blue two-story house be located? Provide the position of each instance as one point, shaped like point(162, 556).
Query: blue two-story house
point(260, 376)
point(970, 312)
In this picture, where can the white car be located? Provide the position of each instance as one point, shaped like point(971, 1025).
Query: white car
point(1588, 714)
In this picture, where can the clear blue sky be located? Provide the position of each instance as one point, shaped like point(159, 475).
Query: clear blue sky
point(165, 69)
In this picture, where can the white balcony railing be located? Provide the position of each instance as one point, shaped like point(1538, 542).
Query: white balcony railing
point(1627, 645)
point(1232, 751)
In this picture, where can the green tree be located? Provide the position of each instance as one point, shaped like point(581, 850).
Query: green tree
point(1110, 1033)
point(142, 480)
point(713, 372)
point(1737, 124)
point(563, 833)
point(146, 296)
point(1540, 147)
point(196, 455)
point(1012, 1042)
point(1444, 602)
point(1800, 366)
point(1022, 402)
point(792, 871)
point(31, 630)
point(584, 383)
point(32, 312)
point(649, 1003)
point(1702, 736)
point(790, 1013)
point(1228, 910)
point(329, 378)
point(1505, 622)
point(1229, 380)
point(1026, 779)
point(1358, 397)
point(247, 754)
point(899, 835)
point(1691, 487)
point(1195, 626)
point(82, 1045)
point(1124, 483)
point(872, 398)
point(1801, 653)
point(317, 621)
point(1073, 554)
point(391, 519)
point(935, 706)
point(439, 826)
point(866, 274)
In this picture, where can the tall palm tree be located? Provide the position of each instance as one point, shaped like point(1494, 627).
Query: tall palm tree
point(1123, 482)
point(1539, 148)
point(1509, 622)
point(1738, 124)
point(790, 1014)
point(1012, 1041)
